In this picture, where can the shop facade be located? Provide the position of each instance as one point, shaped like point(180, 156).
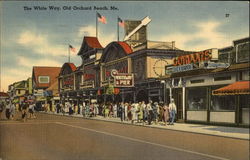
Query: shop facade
point(138, 72)
point(195, 82)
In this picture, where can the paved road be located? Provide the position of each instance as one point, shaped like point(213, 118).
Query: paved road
point(67, 138)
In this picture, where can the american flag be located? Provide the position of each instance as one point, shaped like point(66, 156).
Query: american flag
point(121, 22)
point(72, 48)
point(101, 18)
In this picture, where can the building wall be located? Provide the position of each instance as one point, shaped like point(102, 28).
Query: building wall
point(156, 66)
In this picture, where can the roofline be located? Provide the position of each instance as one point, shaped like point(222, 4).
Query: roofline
point(241, 39)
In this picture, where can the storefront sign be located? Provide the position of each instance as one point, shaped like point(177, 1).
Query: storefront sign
point(68, 82)
point(195, 57)
point(124, 80)
point(183, 68)
point(89, 73)
point(216, 65)
point(121, 67)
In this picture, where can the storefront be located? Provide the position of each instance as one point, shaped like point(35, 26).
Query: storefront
point(195, 88)
point(66, 82)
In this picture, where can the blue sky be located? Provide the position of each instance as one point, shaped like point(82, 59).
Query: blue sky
point(40, 38)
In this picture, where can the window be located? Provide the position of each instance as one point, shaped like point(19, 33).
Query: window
point(244, 101)
point(222, 78)
point(197, 81)
point(197, 98)
point(243, 52)
point(224, 57)
point(43, 79)
point(222, 103)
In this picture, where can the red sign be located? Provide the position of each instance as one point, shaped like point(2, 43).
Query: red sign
point(68, 81)
point(193, 58)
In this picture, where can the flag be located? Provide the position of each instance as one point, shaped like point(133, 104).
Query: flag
point(72, 48)
point(121, 22)
point(101, 18)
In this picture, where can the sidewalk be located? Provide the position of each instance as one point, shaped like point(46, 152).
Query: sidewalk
point(232, 132)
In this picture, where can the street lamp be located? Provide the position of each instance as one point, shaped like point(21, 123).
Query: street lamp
point(164, 90)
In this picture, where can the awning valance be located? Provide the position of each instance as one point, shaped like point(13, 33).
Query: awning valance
point(237, 88)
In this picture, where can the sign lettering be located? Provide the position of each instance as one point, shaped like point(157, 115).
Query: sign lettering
point(193, 58)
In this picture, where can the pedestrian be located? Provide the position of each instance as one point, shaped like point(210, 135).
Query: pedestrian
point(155, 108)
point(58, 107)
point(133, 113)
point(76, 108)
point(140, 112)
point(106, 110)
point(126, 111)
point(145, 112)
point(172, 109)
point(12, 110)
point(129, 111)
point(161, 111)
point(33, 110)
point(80, 109)
point(96, 109)
point(122, 106)
point(165, 113)
point(30, 110)
point(1, 109)
point(150, 112)
point(24, 111)
point(115, 110)
point(7, 110)
point(70, 108)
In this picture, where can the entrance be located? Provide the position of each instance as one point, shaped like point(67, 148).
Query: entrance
point(178, 98)
point(142, 96)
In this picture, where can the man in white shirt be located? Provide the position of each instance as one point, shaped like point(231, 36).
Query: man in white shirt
point(172, 109)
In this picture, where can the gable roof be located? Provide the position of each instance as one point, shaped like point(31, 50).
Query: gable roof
point(93, 42)
point(52, 72)
point(67, 68)
point(89, 44)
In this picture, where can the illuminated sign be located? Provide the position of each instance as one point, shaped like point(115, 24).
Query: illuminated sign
point(193, 58)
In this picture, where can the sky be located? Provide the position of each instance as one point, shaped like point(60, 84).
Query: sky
point(41, 37)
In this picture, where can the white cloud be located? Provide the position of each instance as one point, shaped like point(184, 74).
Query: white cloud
point(24, 69)
point(206, 31)
point(9, 76)
point(39, 44)
point(103, 37)
point(26, 62)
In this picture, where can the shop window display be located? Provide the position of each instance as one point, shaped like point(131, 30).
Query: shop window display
point(220, 103)
point(197, 99)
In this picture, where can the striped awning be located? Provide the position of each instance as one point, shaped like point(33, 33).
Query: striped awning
point(237, 88)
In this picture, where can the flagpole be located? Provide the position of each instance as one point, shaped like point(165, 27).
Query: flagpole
point(96, 25)
point(118, 29)
point(68, 53)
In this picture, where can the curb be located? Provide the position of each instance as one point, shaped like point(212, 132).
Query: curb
point(147, 126)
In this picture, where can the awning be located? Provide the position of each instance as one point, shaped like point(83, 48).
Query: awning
point(237, 88)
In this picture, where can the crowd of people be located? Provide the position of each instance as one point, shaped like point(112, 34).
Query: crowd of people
point(135, 112)
point(11, 109)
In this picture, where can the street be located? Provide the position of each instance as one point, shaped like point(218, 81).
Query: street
point(69, 138)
